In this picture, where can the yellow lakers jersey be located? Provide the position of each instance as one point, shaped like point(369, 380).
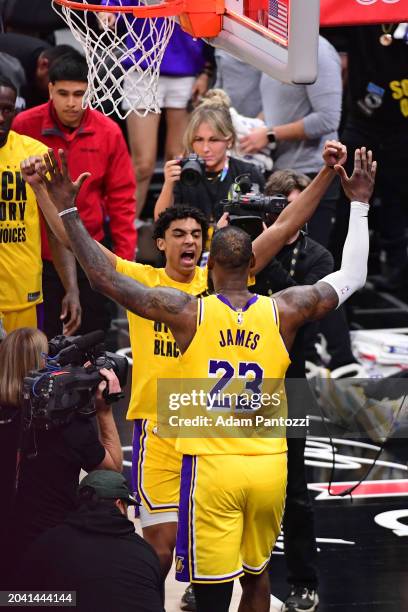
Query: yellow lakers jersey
point(155, 352)
point(20, 239)
point(241, 349)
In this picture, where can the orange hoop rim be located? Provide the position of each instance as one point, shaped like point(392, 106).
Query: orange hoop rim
point(165, 9)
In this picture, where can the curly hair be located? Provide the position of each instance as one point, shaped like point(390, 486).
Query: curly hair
point(179, 212)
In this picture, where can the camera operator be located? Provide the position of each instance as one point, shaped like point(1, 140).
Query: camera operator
point(204, 182)
point(20, 352)
point(49, 459)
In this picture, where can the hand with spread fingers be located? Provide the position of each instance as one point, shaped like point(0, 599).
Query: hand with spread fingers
point(61, 189)
point(360, 186)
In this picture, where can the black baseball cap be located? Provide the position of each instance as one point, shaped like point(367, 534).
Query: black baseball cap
point(108, 485)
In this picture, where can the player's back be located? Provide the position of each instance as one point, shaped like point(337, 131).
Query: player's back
point(238, 358)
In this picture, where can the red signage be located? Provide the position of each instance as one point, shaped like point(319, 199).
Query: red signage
point(354, 12)
point(368, 488)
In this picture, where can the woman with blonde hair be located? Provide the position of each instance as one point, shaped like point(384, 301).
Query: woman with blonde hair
point(22, 350)
point(210, 134)
point(242, 126)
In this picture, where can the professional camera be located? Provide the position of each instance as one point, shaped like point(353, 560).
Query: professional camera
point(64, 387)
point(193, 170)
point(243, 198)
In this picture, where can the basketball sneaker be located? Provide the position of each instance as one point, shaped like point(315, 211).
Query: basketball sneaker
point(188, 600)
point(301, 599)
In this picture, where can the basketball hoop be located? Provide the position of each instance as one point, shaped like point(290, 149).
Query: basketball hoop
point(124, 42)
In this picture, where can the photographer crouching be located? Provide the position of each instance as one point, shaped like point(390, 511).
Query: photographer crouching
point(203, 178)
point(56, 419)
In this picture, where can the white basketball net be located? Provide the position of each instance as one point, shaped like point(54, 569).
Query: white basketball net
point(123, 54)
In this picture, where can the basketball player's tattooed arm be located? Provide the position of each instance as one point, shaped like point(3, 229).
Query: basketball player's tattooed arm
point(297, 305)
point(32, 178)
point(176, 309)
point(298, 212)
point(30, 169)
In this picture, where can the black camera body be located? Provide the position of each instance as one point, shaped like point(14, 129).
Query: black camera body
point(244, 198)
point(192, 170)
point(65, 387)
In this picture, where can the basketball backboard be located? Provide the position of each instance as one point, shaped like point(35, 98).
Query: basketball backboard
point(279, 37)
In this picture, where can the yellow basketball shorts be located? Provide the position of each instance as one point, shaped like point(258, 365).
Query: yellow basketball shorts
point(28, 317)
point(230, 513)
point(156, 466)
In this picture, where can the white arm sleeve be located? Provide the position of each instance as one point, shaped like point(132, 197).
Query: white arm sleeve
point(353, 272)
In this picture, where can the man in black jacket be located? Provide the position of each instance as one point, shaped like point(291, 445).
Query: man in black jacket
point(96, 553)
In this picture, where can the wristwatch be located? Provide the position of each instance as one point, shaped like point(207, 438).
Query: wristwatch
point(271, 139)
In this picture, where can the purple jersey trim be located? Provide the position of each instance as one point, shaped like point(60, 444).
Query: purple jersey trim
point(40, 316)
point(226, 301)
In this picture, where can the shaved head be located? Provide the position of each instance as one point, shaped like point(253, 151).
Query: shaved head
point(231, 247)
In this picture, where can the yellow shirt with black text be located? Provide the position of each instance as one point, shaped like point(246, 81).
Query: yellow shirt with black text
point(154, 350)
point(20, 238)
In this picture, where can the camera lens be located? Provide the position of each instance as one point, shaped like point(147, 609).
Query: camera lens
point(191, 173)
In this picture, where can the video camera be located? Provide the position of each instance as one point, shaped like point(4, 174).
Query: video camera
point(64, 387)
point(244, 198)
point(192, 170)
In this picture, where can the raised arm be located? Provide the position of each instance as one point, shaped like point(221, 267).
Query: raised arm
point(31, 177)
point(298, 305)
point(174, 308)
point(294, 217)
point(172, 171)
point(29, 168)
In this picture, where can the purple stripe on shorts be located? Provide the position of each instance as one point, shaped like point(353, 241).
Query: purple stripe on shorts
point(137, 438)
point(182, 544)
point(138, 456)
point(40, 316)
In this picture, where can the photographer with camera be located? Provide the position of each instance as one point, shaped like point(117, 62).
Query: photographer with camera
point(43, 454)
point(204, 177)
